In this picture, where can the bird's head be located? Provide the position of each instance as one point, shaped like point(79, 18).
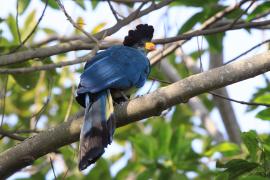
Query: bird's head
point(140, 38)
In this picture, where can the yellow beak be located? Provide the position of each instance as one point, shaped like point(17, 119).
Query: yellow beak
point(150, 46)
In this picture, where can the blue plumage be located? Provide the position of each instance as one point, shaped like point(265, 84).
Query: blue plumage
point(117, 68)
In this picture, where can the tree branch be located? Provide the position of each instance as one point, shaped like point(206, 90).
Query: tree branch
point(113, 11)
point(153, 104)
point(91, 37)
point(78, 45)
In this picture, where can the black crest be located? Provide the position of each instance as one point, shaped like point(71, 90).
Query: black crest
point(143, 32)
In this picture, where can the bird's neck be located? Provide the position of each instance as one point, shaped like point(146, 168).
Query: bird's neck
point(141, 49)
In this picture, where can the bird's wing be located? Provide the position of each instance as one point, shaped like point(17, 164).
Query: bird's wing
point(96, 58)
point(121, 68)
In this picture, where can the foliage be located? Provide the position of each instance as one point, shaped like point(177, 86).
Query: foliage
point(171, 146)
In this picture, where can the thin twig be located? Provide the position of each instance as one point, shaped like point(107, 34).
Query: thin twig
point(200, 53)
point(113, 11)
point(24, 131)
point(152, 84)
point(64, 177)
point(261, 15)
point(44, 107)
point(159, 80)
point(137, 11)
point(50, 66)
point(266, 79)
point(4, 99)
point(17, 22)
point(33, 30)
point(10, 135)
point(240, 102)
point(51, 162)
point(74, 24)
point(244, 12)
point(70, 103)
point(45, 67)
point(249, 50)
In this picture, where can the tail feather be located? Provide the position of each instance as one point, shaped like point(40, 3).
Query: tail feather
point(96, 132)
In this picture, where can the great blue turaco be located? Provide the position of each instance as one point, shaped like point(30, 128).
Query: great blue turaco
point(120, 67)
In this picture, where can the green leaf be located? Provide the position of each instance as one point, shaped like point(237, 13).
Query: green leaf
point(29, 19)
point(26, 80)
point(127, 170)
point(5, 45)
point(264, 114)
point(226, 148)
point(51, 3)
point(215, 42)
point(94, 4)
point(49, 31)
point(23, 4)
point(222, 176)
point(236, 14)
point(100, 171)
point(11, 22)
point(197, 54)
point(29, 24)
point(193, 3)
point(263, 98)
point(145, 146)
point(260, 9)
point(69, 154)
point(256, 96)
point(99, 27)
point(180, 145)
point(51, 72)
point(237, 167)
point(181, 115)
point(163, 136)
point(250, 139)
point(80, 3)
point(253, 177)
point(191, 22)
point(147, 174)
point(209, 104)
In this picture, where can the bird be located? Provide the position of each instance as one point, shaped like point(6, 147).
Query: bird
point(117, 68)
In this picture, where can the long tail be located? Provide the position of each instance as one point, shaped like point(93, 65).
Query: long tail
point(97, 130)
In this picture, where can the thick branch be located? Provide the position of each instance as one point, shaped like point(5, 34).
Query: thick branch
point(77, 45)
point(81, 45)
point(149, 105)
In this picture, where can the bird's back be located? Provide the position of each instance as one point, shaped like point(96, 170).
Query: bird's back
point(119, 67)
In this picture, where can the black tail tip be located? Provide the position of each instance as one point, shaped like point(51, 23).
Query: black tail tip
point(87, 160)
